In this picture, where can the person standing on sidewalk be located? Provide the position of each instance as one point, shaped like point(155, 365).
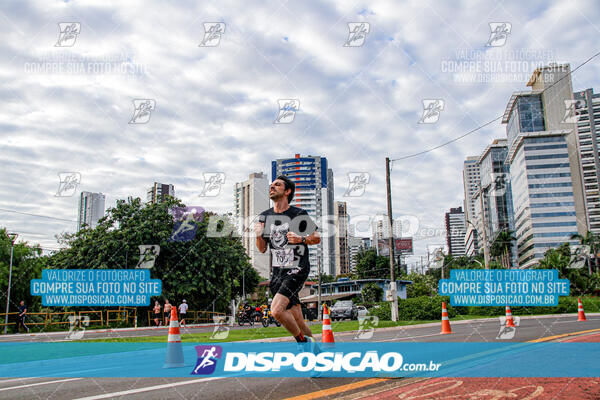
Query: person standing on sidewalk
point(21, 317)
point(167, 310)
point(156, 310)
point(183, 307)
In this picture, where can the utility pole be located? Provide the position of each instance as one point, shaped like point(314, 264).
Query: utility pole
point(394, 305)
point(13, 237)
point(319, 311)
point(486, 251)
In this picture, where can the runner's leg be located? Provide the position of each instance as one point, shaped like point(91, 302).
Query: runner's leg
point(279, 312)
point(297, 313)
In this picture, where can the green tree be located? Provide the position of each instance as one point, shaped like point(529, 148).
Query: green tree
point(592, 240)
point(326, 278)
point(206, 271)
point(422, 285)
point(581, 282)
point(371, 293)
point(27, 265)
point(502, 246)
point(369, 265)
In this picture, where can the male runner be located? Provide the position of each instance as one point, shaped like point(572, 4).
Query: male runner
point(287, 231)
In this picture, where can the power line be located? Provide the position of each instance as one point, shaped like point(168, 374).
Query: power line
point(36, 215)
point(491, 121)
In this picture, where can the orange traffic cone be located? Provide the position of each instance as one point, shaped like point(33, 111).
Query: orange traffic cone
point(174, 349)
point(509, 318)
point(580, 313)
point(327, 333)
point(445, 320)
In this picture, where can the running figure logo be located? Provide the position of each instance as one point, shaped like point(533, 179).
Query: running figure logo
point(357, 183)
point(366, 327)
point(69, 181)
point(148, 254)
point(287, 111)
point(185, 223)
point(142, 109)
point(431, 111)
point(212, 34)
point(499, 183)
point(508, 332)
point(68, 34)
point(357, 33)
point(207, 359)
point(571, 114)
point(499, 32)
point(579, 256)
point(212, 184)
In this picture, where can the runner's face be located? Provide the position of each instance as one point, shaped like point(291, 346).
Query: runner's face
point(277, 190)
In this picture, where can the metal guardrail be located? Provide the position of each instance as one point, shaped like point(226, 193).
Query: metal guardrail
point(126, 315)
point(191, 317)
point(92, 314)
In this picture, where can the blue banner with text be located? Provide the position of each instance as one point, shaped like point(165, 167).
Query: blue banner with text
point(345, 359)
point(96, 287)
point(501, 287)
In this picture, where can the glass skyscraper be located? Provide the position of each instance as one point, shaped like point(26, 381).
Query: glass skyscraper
point(314, 193)
point(544, 165)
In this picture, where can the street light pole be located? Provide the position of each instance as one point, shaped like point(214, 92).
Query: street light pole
point(319, 311)
point(486, 252)
point(13, 237)
point(394, 305)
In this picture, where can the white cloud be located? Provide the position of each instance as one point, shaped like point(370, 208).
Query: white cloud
point(215, 106)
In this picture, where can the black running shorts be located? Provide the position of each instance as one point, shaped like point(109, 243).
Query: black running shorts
point(287, 285)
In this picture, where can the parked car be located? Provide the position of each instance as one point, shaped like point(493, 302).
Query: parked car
point(344, 309)
point(362, 311)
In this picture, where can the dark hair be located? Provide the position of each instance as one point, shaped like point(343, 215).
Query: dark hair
point(288, 185)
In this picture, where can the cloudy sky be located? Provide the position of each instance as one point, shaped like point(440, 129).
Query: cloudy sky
point(67, 101)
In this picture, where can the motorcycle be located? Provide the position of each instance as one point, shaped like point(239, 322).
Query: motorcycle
point(267, 319)
point(245, 317)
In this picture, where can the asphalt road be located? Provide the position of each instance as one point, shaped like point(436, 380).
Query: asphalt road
point(281, 388)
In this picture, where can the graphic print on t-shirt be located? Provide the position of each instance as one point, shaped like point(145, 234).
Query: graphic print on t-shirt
point(282, 257)
point(279, 235)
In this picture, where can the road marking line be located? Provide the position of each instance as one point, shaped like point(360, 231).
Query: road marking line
point(547, 338)
point(338, 389)
point(19, 379)
point(39, 383)
point(149, 388)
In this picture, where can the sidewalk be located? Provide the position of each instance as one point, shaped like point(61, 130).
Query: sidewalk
point(206, 325)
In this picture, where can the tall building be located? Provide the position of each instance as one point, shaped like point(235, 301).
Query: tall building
point(455, 231)
point(251, 197)
point(314, 193)
point(342, 255)
point(470, 187)
point(588, 129)
point(497, 193)
point(157, 193)
point(380, 228)
point(355, 246)
point(544, 165)
point(91, 209)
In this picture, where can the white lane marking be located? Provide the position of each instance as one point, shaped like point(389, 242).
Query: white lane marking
point(19, 379)
point(409, 337)
point(150, 388)
point(574, 321)
point(39, 383)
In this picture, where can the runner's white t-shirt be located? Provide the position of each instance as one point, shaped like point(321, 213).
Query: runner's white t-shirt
point(183, 308)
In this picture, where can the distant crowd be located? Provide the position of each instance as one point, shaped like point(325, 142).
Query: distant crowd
point(162, 318)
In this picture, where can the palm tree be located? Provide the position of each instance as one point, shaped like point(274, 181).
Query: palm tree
point(502, 246)
point(589, 240)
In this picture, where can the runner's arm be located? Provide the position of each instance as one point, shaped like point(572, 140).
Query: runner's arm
point(261, 243)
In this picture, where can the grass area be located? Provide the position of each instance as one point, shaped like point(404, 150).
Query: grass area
point(236, 335)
